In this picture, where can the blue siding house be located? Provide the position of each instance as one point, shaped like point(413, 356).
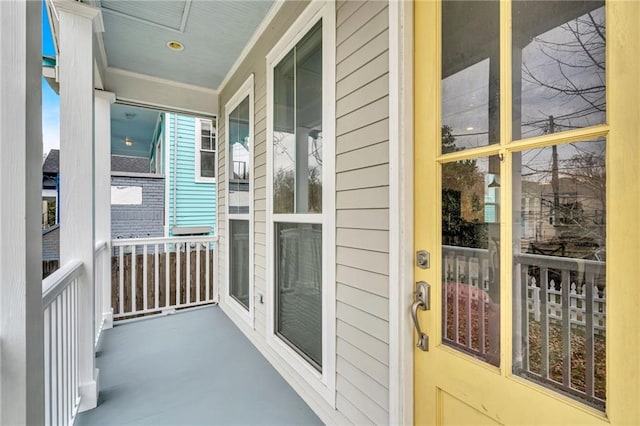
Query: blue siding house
point(185, 152)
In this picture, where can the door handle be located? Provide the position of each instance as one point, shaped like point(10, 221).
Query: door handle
point(421, 301)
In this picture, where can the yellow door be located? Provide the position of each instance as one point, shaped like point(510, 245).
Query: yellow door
point(527, 201)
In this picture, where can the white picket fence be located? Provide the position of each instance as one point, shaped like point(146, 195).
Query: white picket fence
point(577, 303)
point(470, 266)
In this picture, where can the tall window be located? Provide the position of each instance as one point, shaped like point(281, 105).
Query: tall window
point(297, 196)
point(205, 150)
point(300, 195)
point(239, 142)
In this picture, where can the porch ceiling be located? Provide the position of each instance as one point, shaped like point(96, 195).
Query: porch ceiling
point(137, 124)
point(213, 34)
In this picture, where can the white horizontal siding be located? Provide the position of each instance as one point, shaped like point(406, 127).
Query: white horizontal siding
point(362, 200)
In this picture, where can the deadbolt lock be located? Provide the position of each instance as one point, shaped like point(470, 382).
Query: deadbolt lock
point(422, 259)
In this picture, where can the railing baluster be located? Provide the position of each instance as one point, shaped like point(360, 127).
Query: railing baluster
point(133, 278)
point(60, 372)
point(587, 292)
point(468, 307)
point(177, 248)
point(167, 277)
point(445, 290)
point(76, 386)
point(524, 306)
point(121, 280)
point(145, 304)
point(206, 270)
point(187, 253)
point(544, 322)
point(456, 299)
point(156, 277)
point(65, 367)
point(54, 363)
point(481, 308)
point(198, 272)
point(47, 365)
point(565, 284)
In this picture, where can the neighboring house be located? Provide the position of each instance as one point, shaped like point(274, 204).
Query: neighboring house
point(137, 199)
point(50, 190)
point(184, 151)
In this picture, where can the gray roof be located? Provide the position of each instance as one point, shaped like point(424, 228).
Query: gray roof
point(129, 164)
point(52, 162)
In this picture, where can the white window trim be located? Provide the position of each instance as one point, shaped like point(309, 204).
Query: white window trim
point(247, 89)
point(323, 383)
point(197, 144)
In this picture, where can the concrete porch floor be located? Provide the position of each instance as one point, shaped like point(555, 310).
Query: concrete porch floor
point(190, 368)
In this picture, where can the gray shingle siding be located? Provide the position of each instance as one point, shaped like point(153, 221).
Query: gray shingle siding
point(51, 243)
point(139, 221)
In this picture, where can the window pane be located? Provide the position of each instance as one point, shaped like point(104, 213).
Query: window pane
point(205, 128)
point(284, 139)
point(299, 288)
point(471, 257)
point(309, 122)
point(239, 173)
point(207, 164)
point(558, 66)
point(559, 268)
point(470, 73)
point(297, 136)
point(239, 261)
point(206, 143)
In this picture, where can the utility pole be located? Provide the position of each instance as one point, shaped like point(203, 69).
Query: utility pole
point(555, 181)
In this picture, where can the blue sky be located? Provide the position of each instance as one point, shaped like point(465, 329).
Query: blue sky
point(50, 102)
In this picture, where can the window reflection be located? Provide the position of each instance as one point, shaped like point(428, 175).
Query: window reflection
point(558, 66)
point(297, 134)
point(559, 268)
point(239, 173)
point(471, 72)
point(471, 257)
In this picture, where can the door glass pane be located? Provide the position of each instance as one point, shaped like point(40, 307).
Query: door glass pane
point(470, 73)
point(239, 261)
point(299, 288)
point(239, 172)
point(471, 257)
point(558, 66)
point(559, 268)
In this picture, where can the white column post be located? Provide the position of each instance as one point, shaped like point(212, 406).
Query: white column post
point(21, 320)
point(77, 241)
point(103, 101)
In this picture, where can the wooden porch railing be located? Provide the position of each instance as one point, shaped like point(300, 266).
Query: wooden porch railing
point(156, 275)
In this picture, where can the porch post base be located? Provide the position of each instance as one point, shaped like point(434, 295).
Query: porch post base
point(89, 393)
point(107, 319)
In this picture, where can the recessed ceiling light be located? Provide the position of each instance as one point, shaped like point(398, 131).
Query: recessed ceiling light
point(175, 45)
point(469, 128)
point(128, 142)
